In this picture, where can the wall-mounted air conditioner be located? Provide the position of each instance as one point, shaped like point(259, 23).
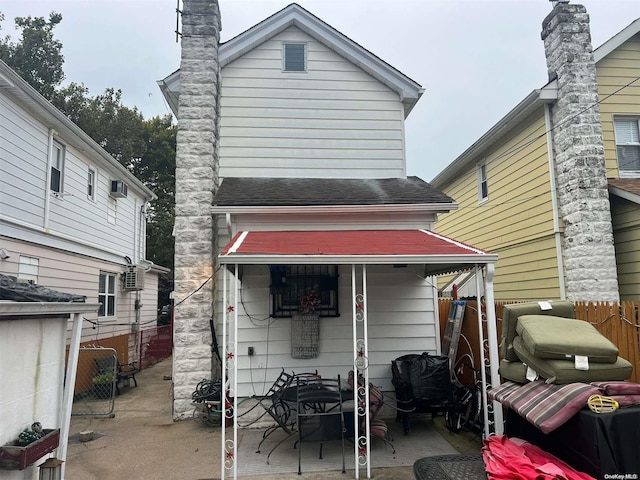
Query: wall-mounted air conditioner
point(119, 189)
point(134, 278)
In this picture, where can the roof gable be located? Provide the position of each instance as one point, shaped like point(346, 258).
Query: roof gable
point(408, 90)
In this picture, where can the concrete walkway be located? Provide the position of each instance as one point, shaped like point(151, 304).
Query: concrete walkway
point(143, 442)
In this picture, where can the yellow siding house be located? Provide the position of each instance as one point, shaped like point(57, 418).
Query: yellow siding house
point(526, 188)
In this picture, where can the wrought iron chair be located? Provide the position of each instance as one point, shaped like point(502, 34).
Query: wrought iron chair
point(275, 404)
point(320, 415)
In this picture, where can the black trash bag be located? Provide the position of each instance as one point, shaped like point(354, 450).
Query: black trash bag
point(425, 377)
point(11, 289)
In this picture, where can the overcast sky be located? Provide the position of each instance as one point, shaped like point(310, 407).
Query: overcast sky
point(476, 59)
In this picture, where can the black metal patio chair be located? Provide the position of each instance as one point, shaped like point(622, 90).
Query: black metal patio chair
point(275, 405)
point(320, 415)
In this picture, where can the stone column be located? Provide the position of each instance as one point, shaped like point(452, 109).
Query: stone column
point(581, 178)
point(196, 184)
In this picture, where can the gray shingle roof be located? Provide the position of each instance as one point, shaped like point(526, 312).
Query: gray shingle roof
point(326, 191)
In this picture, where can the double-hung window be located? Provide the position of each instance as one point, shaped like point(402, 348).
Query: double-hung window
point(91, 183)
point(28, 269)
point(294, 57)
point(483, 184)
point(57, 167)
point(107, 295)
point(627, 130)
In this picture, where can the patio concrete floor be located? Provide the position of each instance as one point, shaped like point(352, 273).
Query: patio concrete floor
point(143, 442)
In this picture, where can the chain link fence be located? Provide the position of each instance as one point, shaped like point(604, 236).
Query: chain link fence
point(95, 387)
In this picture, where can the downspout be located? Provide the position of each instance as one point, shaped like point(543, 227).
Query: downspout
point(554, 201)
point(47, 193)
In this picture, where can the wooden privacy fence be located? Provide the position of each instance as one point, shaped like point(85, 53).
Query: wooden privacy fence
point(617, 322)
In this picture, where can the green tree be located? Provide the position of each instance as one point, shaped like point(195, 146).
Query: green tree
point(37, 55)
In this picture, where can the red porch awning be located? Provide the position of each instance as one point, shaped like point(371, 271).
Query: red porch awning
point(350, 246)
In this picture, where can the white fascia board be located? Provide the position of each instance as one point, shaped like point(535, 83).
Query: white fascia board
point(618, 39)
point(537, 98)
point(394, 208)
point(243, 259)
point(32, 100)
point(45, 308)
point(618, 192)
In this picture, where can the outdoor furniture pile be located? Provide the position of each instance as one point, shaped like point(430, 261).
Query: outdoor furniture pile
point(423, 385)
point(555, 367)
point(123, 373)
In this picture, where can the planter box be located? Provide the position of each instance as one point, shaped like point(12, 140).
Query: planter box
point(14, 457)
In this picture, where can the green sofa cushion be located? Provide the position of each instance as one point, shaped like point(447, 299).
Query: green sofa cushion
point(564, 371)
point(514, 371)
point(510, 314)
point(562, 338)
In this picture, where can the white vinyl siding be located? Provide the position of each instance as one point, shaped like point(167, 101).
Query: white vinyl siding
point(401, 313)
point(336, 121)
point(627, 134)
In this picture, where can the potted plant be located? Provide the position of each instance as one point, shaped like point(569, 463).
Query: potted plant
point(305, 327)
point(103, 385)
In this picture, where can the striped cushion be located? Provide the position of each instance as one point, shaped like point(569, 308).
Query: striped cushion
point(543, 405)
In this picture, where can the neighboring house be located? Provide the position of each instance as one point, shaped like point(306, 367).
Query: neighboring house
point(555, 184)
point(310, 194)
point(71, 217)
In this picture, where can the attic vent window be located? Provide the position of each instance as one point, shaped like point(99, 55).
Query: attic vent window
point(294, 57)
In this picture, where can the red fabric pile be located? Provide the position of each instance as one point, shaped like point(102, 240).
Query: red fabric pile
point(514, 459)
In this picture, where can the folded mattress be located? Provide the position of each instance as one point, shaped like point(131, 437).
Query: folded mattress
point(564, 371)
point(557, 338)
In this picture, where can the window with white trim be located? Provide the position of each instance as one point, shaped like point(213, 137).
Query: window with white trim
point(112, 210)
point(627, 132)
point(483, 184)
point(57, 167)
point(107, 294)
point(294, 57)
point(91, 183)
point(28, 269)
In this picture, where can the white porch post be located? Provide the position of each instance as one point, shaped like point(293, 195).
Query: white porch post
point(483, 373)
point(361, 367)
point(356, 426)
point(229, 448)
point(492, 333)
point(223, 399)
point(69, 388)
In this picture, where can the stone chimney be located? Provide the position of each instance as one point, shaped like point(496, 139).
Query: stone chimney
point(581, 178)
point(196, 184)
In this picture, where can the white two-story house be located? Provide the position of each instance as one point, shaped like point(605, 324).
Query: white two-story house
point(312, 197)
point(71, 217)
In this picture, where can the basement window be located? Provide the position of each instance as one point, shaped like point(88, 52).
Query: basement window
point(627, 131)
point(290, 282)
point(294, 57)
